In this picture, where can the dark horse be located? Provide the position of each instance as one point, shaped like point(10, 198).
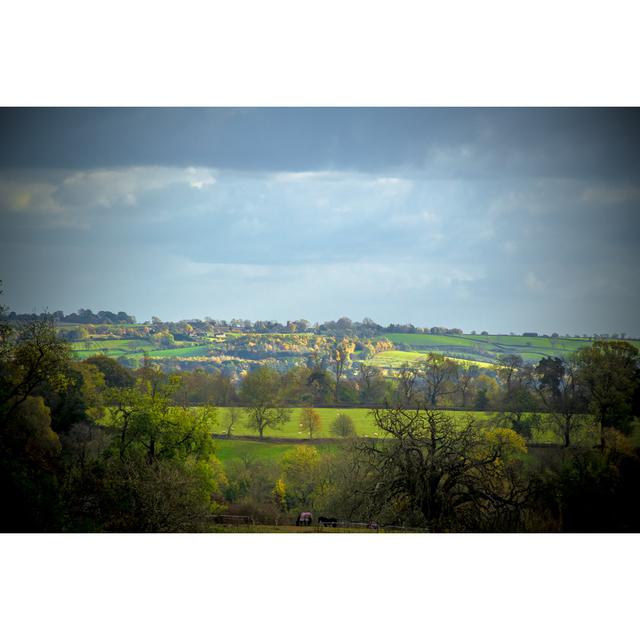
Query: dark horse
point(328, 522)
point(304, 519)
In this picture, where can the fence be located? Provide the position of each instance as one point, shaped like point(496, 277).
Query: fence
point(233, 520)
point(248, 521)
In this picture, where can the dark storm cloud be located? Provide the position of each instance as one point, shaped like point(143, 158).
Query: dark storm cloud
point(505, 220)
point(479, 143)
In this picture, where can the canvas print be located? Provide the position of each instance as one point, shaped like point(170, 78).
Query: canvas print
point(319, 320)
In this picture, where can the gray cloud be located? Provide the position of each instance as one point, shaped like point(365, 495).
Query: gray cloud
point(505, 220)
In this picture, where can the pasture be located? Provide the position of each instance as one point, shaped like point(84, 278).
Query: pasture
point(227, 450)
point(394, 359)
point(488, 348)
point(545, 433)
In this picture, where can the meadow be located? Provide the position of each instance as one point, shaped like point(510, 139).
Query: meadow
point(489, 347)
point(395, 359)
point(544, 433)
point(227, 450)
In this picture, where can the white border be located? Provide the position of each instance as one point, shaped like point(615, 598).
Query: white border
point(287, 52)
point(318, 585)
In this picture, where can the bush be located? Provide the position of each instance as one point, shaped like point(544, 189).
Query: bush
point(343, 426)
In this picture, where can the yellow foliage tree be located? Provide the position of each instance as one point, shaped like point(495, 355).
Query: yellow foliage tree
point(310, 421)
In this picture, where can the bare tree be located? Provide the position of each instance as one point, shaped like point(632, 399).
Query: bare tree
point(454, 475)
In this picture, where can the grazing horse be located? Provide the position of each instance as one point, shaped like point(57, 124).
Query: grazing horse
point(304, 519)
point(328, 522)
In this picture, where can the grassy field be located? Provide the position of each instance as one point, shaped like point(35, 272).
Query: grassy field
point(365, 426)
point(395, 359)
point(233, 449)
point(181, 352)
point(475, 347)
point(114, 348)
point(291, 429)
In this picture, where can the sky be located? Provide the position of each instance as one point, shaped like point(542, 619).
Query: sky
point(483, 219)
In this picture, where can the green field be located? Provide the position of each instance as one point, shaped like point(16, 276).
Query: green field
point(237, 448)
point(136, 348)
point(181, 352)
point(291, 429)
point(365, 426)
point(395, 359)
point(488, 348)
point(227, 450)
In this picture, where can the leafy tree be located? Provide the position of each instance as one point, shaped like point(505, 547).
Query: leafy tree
point(343, 426)
point(561, 393)
point(372, 384)
point(170, 495)
point(80, 399)
point(407, 385)
point(279, 494)
point(29, 451)
point(231, 419)
point(439, 375)
point(310, 421)
point(115, 375)
point(261, 393)
point(250, 488)
point(464, 377)
point(146, 420)
point(516, 401)
point(33, 361)
point(32, 356)
point(301, 475)
point(486, 391)
point(340, 356)
point(320, 385)
point(609, 372)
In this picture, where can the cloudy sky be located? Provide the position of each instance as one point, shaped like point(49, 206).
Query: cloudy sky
point(496, 219)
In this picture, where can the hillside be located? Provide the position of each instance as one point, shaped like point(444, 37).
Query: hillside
point(236, 351)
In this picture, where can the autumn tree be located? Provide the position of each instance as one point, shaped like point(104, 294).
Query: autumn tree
point(310, 421)
point(340, 356)
point(301, 475)
point(231, 419)
point(261, 393)
point(439, 375)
